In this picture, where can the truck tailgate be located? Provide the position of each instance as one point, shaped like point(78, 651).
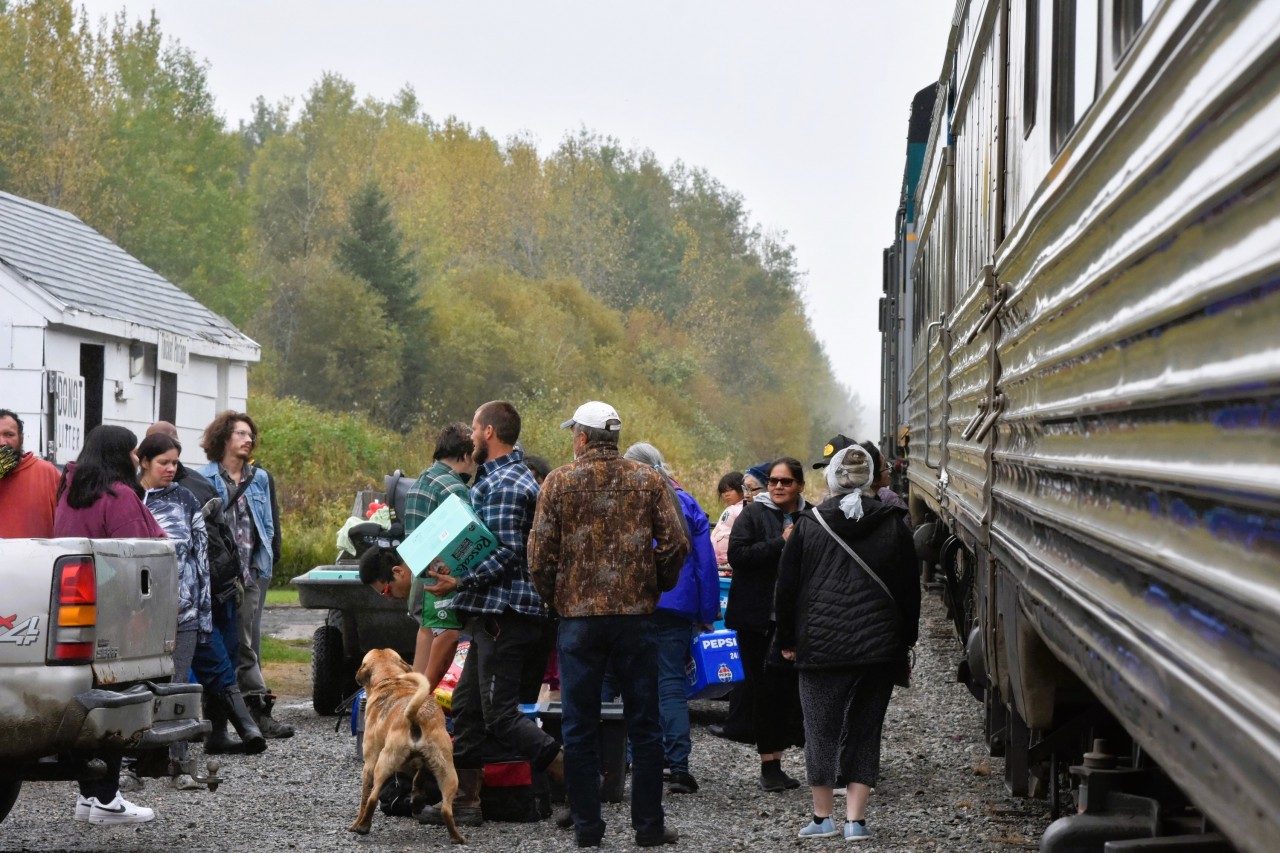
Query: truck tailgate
point(137, 609)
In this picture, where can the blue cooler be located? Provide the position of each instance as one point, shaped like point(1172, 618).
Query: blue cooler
point(724, 602)
point(714, 666)
point(357, 722)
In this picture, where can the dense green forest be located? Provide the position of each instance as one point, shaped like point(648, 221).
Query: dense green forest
point(398, 269)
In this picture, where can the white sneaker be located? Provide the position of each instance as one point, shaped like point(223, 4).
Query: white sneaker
point(118, 810)
point(82, 807)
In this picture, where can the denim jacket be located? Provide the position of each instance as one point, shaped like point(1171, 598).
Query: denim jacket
point(259, 499)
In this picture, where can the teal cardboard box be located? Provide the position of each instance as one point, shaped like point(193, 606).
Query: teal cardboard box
point(453, 534)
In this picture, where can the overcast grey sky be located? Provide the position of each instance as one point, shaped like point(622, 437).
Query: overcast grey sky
point(800, 107)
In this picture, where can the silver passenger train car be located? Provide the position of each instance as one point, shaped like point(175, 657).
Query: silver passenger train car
point(1081, 376)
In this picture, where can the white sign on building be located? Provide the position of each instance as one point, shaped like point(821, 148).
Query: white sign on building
point(171, 353)
point(66, 401)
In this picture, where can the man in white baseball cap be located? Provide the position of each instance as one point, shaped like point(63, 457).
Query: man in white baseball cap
point(596, 415)
point(607, 540)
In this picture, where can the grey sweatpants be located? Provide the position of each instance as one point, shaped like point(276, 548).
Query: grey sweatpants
point(843, 714)
point(184, 652)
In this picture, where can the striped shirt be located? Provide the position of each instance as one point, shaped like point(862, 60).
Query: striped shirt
point(504, 497)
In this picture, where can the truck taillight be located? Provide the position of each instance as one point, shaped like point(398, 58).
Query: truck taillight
point(76, 588)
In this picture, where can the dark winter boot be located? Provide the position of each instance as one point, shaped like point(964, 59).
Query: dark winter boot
point(238, 713)
point(260, 705)
point(218, 741)
point(466, 803)
point(773, 778)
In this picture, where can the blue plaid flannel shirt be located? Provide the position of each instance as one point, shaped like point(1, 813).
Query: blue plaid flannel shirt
point(504, 496)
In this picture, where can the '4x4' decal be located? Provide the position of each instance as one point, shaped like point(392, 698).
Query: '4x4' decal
point(23, 633)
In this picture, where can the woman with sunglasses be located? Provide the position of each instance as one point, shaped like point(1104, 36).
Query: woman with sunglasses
point(755, 548)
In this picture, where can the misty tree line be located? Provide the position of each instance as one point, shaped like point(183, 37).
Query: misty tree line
point(408, 268)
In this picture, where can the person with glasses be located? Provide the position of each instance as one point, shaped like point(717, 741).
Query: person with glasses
point(753, 481)
point(249, 496)
point(755, 547)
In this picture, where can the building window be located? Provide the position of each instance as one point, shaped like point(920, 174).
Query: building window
point(92, 359)
point(168, 406)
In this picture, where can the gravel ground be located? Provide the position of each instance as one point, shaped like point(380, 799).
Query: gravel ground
point(939, 791)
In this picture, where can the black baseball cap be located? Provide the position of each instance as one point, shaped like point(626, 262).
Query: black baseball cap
point(834, 446)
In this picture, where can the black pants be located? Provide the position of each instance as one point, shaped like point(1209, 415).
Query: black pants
point(106, 788)
point(487, 722)
point(775, 694)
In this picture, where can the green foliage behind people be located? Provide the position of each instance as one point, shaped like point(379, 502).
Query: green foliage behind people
point(398, 269)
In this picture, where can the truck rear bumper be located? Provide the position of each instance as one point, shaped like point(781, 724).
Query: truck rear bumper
point(144, 716)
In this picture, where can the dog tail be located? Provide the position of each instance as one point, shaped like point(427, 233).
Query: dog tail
point(420, 697)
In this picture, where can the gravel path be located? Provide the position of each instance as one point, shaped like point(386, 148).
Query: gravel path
point(939, 791)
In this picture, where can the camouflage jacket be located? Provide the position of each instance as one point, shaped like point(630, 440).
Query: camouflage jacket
point(607, 537)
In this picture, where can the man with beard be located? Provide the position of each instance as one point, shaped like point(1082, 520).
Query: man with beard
point(253, 514)
point(28, 485)
point(502, 613)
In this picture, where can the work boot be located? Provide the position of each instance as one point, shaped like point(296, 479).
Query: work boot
point(218, 741)
point(773, 778)
point(260, 705)
point(466, 803)
point(237, 711)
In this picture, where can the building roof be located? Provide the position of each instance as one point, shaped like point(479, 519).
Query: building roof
point(86, 279)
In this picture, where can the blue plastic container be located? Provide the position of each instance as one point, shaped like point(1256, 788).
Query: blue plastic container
point(724, 602)
point(714, 666)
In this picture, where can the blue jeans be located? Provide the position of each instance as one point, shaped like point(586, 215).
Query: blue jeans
point(673, 633)
point(588, 647)
point(215, 660)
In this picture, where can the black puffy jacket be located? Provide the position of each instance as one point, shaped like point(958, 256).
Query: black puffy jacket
point(755, 546)
point(829, 610)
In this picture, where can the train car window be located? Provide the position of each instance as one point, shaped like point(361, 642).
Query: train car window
point(1030, 64)
point(1075, 64)
point(1086, 64)
point(1125, 22)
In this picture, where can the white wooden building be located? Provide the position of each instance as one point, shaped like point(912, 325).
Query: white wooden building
point(90, 335)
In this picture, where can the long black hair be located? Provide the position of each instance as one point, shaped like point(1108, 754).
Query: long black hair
point(105, 460)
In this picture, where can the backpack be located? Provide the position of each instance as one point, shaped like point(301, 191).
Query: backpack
point(224, 556)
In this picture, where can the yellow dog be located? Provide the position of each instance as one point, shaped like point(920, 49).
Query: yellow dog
point(403, 731)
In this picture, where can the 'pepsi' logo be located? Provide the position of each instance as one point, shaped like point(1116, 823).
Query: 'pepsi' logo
point(720, 643)
point(724, 673)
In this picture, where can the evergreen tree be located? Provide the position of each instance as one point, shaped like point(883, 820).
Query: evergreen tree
point(371, 250)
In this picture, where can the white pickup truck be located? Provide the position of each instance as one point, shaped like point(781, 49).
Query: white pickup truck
point(87, 633)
